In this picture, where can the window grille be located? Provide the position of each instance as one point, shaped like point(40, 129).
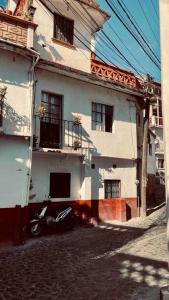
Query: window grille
point(63, 29)
point(112, 189)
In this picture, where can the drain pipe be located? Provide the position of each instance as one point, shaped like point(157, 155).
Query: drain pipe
point(31, 74)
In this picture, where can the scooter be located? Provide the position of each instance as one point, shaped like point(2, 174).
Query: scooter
point(62, 219)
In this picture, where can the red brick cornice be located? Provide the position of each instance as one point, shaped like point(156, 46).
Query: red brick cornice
point(17, 19)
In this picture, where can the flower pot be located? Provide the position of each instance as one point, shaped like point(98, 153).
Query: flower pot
point(9, 12)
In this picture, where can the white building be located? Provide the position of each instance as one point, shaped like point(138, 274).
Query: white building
point(156, 125)
point(69, 121)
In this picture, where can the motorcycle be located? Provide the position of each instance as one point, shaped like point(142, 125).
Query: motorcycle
point(62, 219)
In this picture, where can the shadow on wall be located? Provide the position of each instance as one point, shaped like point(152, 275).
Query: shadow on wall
point(12, 121)
point(155, 192)
point(47, 51)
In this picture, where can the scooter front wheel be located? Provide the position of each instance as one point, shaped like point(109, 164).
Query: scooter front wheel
point(35, 229)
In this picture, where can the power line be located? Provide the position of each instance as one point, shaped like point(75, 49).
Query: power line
point(78, 38)
point(130, 31)
point(128, 62)
point(104, 42)
point(135, 34)
point(126, 47)
point(148, 21)
point(136, 28)
point(155, 10)
point(87, 25)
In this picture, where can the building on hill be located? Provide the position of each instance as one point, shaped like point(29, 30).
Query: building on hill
point(69, 128)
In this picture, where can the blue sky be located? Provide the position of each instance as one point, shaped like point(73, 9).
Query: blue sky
point(150, 30)
point(142, 63)
point(2, 2)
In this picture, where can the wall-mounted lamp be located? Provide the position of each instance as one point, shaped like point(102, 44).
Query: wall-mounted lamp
point(31, 11)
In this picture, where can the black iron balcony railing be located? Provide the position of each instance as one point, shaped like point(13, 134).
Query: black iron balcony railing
point(56, 133)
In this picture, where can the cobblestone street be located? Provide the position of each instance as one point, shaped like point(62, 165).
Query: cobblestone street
point(108, 262)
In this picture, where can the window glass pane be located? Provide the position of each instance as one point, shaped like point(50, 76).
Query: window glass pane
point(98, 118)
point(94, 116)
point(112, 189)
point(103, 116)
point(63, 29)
point(99, 108)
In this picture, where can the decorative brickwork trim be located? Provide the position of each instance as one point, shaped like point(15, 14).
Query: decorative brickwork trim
point(109, 72)
point(13, 30)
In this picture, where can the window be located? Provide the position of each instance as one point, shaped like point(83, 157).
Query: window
point(112, 189)
point(160, 163)
point(60, 185)
point(63, 29)
point(102, 117)
point(51, 124)
point(157, 108)
point(150, 150)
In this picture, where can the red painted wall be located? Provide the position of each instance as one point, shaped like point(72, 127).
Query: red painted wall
point(14, 220)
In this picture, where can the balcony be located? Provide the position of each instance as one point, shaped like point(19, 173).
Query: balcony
point(16, 30)
point(114, 74)
point(57, 134)
point(156, 121)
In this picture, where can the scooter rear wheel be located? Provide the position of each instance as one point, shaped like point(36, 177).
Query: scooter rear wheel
point(35, 229)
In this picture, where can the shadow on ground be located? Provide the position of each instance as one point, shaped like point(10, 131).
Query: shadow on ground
point(85, 264)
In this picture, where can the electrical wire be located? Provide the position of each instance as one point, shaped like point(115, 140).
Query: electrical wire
point(134, 34)
point(83, 17)
point(112, 43)
point(155, 10)
point(136, 28)
point(131, 53)
point(130, 31)
point(78, 38)
point(144, 13)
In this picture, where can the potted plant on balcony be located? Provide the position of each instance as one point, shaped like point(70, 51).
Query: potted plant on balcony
point(77, 119)
point(8, 12)
point(77, 144)
point(40, 112)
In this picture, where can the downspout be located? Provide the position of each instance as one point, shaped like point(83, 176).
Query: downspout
point(31, 89)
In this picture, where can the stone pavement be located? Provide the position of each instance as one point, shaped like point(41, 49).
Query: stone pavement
point(107, 262)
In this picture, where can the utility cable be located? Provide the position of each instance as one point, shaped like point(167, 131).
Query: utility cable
point(144, 13)
point(138, 31)
point(131, 53)
point(155, 10)
point(112, 42)
point(129, 30)
point(104, 42)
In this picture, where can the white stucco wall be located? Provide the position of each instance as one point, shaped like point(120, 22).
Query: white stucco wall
point(43, 165)
point(17, 105)
point(14, 170)
point(78, 97)
point(78, 58)
point(86, 183)
point(125, 171)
